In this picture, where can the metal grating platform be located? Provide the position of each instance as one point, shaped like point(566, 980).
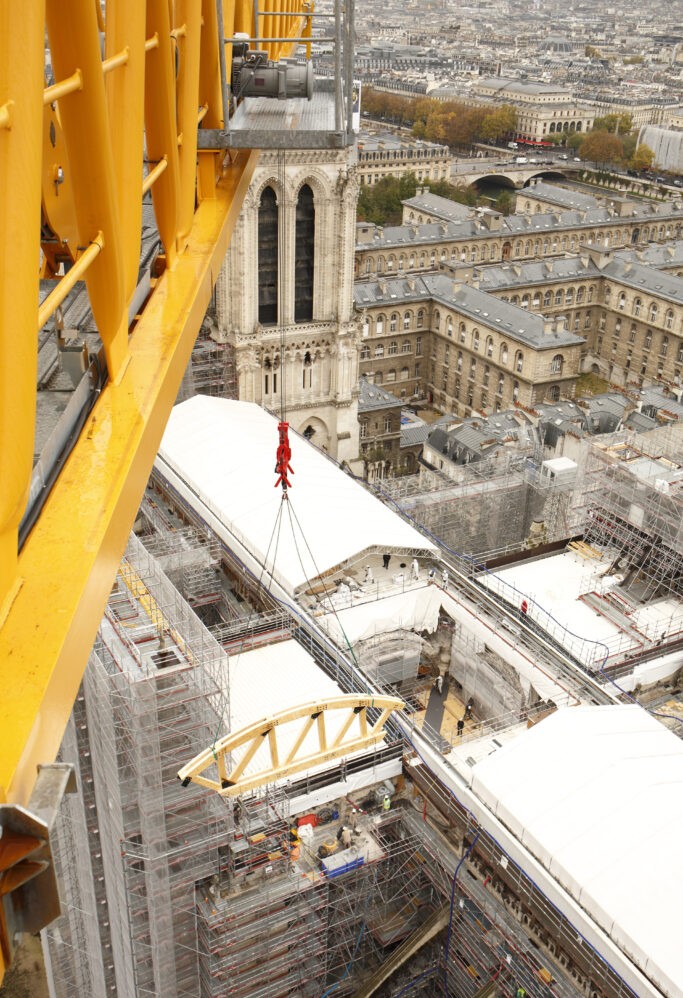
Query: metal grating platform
point(263, 123)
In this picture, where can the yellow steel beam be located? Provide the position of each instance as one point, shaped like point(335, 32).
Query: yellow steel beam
point(21, 94)
point(160, 124)
point(68, 282)
point(80, 141)
point(188, 18)
point(75, 45)
point(91, 140)
point(70, 558)
point(124, 48)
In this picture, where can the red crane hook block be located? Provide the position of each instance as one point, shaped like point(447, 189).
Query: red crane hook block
point(284, 453)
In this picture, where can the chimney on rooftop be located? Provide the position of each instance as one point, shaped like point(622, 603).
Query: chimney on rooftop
point(365, 233)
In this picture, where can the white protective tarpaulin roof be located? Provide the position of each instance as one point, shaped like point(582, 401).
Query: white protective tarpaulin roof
point(596, 794)
point(224, 454)
point(269, 680)
point(416, 609)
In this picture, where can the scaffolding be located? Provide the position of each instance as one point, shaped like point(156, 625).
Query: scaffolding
point(640, 517)
point(212, 368)
point(502, 929)
point(340, 920)
point(633, 509)
point(79, 944)
point(178, 892)
point(189, 559)
point(484, 511)
point(152, 699)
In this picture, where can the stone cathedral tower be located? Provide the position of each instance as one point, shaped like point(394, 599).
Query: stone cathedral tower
point(284, 298)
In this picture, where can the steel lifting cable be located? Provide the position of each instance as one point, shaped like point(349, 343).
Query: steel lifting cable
point(283, 228)
point(283, 467)
point(275, 534)
point(326, 591)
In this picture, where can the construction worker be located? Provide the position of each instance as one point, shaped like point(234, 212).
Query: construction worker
point(520, 992)
point(444, 578)
point(369, 577)
point(294, 844)
point(386, 803)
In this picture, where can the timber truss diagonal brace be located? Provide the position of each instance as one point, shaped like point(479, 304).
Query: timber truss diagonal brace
point(284, 761)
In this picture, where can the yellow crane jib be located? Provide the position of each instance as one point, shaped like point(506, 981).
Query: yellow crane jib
point(311, 742)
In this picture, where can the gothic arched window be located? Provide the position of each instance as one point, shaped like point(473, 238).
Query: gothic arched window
point(267, 258)
point(304, 256)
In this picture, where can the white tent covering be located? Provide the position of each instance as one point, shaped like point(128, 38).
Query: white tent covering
point(416, 609)
point(221, 454)
point(556, 583)
point(596, 794)
point(272, 679)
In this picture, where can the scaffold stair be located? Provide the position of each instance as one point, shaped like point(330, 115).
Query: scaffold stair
point(434, 924)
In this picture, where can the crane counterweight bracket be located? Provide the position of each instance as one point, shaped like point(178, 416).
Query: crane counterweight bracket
point(29, 898)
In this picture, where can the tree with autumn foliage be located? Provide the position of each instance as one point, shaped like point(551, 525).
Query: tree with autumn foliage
point(499, 124)
point(454, 123)
point(617, 124)
point(601, 148)
point(574, 140)
point(642, 158)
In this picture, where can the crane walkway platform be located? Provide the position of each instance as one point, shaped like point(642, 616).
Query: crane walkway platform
point(260, 123)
